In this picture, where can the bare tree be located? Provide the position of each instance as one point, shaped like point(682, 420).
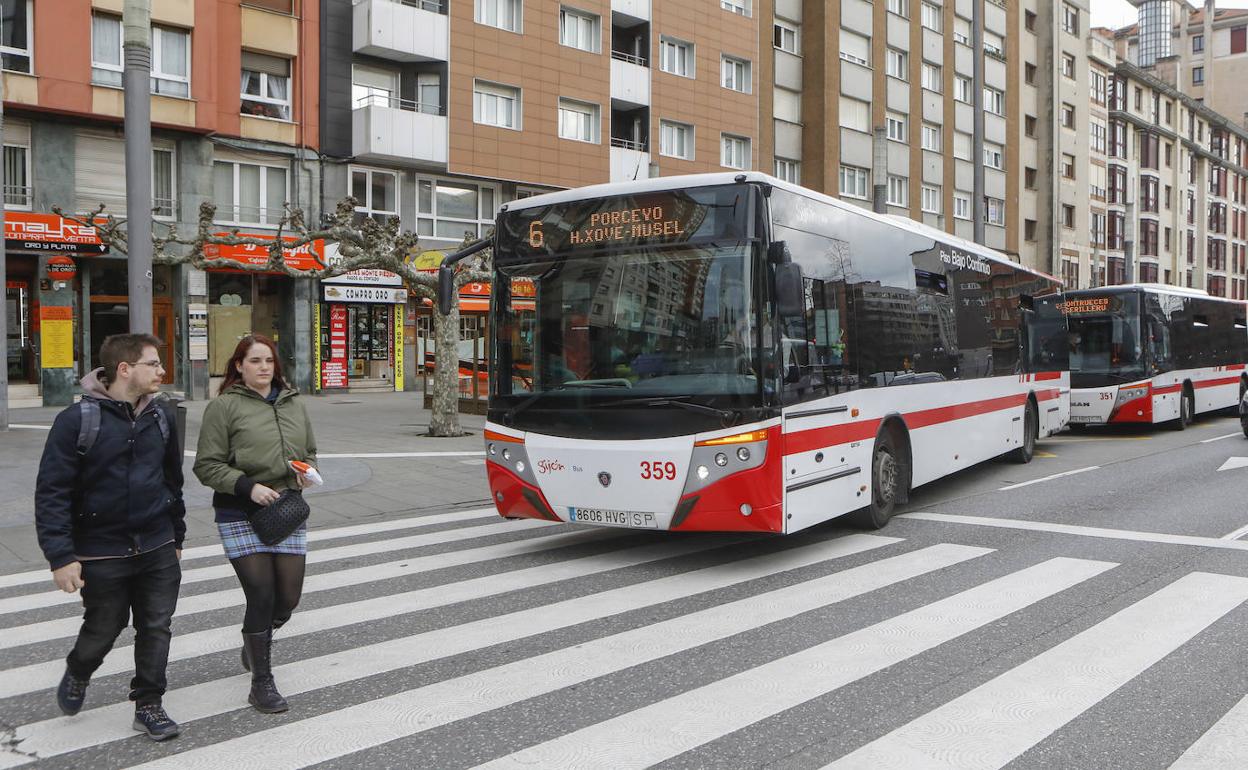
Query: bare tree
point(362, 243)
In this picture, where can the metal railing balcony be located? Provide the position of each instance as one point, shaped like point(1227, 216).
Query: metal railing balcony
point(630, 58)
point(628, 144)
point(395, 103)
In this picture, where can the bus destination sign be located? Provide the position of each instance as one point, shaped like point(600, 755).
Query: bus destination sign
point(623, 225)
point(1084, 305)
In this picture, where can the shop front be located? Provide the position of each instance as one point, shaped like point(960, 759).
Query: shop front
point(361, 336)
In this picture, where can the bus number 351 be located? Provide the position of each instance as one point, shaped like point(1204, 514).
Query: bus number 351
point(658, 471)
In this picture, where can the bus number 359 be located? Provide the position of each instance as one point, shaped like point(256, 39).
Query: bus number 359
point(658, 471)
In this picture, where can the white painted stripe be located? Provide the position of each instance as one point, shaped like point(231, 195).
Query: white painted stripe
point(352, 729)
point(382, 455)
point(1049, 478)
point(993, 724)
point(1074, 529)
point(663, 730)
point(315, 556)
point(314, 535)
point(110, 723)
point(29, 427)
point(325, 581)
point(1219, 438)
point(40, 676)
point(1222, 746)
point(1237, 534)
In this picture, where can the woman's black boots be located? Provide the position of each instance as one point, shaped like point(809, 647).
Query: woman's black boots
point(264, 696)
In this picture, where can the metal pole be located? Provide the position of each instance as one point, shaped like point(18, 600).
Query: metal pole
point(4, 281)
point(978, 204)
point(879, 171)
point(137, 21)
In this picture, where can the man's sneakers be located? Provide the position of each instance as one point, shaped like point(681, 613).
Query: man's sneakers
point(71, 693)
point(153, 720)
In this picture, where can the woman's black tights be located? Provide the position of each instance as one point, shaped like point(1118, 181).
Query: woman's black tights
point(273, 583)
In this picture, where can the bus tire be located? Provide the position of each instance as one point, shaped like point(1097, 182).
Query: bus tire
point(1031, 431)
point(887, 477)
point(1187, 408)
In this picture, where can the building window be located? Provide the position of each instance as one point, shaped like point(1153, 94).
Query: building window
point(17, 190)
point(1068, 166)
point(855, 114)
point(931, 199)
point(962, 89)
point(1098, 229)
point(1029, 20)
point(1098, 85)
point(265, 90)
point(453, 210)
point(578, 29)
point(676, 140)
point(789, 170)
point(373, 87)
point(961, 31)
point(896, 125)
point(736, 74)
point(994, 44)
point(249, 194)
point(504, 14)
point(376, 194)
point(741, 7)
point(1239, 40)
point(1029, 125)
point(1068, 116)
point(1198, 76)
point(171, 56)
point(1029, 178)
point(1068, 66)
point(993, 156)
point(931, 137)
point(994, 211)
point(1029, 230)
point(1198, 43)
point(961, 145)
point(896, 63)
point(16, 33)
point(961, 206)
point(164, 182)
point(994, 101)
point(931, 77)
point(676, 57)
point(496, 105)
point(785, 37)
point(734, 151)
point(854, 182)
point(899, 7)
point(578, 121)
point(1068, 216)
point(1070, 19)
point(855, 48)
point(898, 191)
point(1099, 135)
point(931, 16)
point(1029, 73)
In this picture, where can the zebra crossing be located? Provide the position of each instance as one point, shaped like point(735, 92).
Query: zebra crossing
point(415, 629)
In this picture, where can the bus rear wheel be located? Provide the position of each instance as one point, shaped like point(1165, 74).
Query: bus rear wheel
point(886, 480)
point(1031, 429)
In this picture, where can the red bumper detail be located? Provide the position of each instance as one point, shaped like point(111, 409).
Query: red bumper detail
point(1135, 410)
point(717, 508)
point(518, 499)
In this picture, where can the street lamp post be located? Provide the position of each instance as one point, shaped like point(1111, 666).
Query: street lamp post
point(137, 24)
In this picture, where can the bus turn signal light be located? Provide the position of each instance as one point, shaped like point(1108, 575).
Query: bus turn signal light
point(740, 438)
point(491, 435)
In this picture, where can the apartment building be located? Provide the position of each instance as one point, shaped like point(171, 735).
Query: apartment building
point(234, 109)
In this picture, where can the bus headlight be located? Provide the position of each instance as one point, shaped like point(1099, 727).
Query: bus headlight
point(491, 449)
point(520, 467)
point(743, 454)
point(1130, 394)
point(721, 459)
point(703, 472)
point(507, 454)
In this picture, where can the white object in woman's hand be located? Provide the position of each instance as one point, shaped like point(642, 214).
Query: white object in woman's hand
point(262, 495)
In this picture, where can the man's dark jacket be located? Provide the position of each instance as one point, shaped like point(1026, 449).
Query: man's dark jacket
point(123, 497)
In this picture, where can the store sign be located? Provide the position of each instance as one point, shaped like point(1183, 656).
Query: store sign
point(61, 268)
point(305, 257)
point(56, 337)
point(369, 294)
point(334, 367)
point(365, 276)
point(31, 231)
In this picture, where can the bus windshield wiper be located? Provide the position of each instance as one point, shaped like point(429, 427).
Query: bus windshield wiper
point(511, 413)
point(677, 401)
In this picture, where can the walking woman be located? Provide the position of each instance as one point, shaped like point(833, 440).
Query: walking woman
point(250, 433)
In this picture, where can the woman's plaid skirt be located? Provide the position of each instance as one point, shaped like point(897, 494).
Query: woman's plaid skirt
point(239, 539)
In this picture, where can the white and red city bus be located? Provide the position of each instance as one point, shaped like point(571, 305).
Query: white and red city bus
point(733, 352)
point(1150, 353)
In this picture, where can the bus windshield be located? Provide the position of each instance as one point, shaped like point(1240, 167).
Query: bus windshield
point(585, 341)
point(1106, 340)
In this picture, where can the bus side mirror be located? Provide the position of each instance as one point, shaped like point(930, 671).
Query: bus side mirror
point(446, 289)
point(789, 291)
point(778, 253)
point(1027, 302)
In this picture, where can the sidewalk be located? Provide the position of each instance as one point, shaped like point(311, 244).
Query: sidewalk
point(357, 487)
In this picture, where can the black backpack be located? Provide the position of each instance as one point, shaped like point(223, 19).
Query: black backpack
point(89, 429)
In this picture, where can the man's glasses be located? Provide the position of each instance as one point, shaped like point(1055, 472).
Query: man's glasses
point(154, 364)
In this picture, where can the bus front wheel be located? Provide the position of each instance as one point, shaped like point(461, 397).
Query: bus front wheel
point(886, 481)
point(1187, 408)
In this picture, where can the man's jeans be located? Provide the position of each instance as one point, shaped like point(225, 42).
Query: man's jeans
point(146, 584)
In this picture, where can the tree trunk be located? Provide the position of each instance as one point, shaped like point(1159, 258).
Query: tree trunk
point(444, 419)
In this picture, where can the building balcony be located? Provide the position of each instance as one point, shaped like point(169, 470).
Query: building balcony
point(399, 131)
point(629, 161)
point(401, 30)
point(630, 81)
point(638, 9)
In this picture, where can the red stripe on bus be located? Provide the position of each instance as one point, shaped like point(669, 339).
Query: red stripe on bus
point(1049, 394)
point(834, 435)
point(1216, 383)
point(1235, 367)
point(1043, 376)
point(1167, 389)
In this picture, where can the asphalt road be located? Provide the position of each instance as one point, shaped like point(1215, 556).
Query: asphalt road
point(1089, 609)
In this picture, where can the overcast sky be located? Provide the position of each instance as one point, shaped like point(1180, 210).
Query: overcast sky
point(1119, 13)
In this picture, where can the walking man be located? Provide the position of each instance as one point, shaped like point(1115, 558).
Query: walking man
point(110, 518)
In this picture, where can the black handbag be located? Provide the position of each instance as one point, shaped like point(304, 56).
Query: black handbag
point(276, 521)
